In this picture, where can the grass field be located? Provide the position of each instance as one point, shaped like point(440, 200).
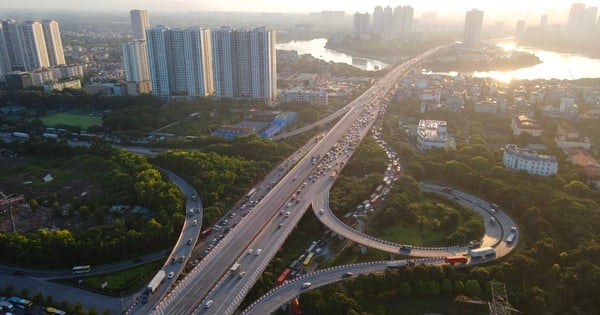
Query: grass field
point(126, 281)
point(84, 121)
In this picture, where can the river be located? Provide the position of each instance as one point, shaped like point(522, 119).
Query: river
point(554, 65)
point(316, 48)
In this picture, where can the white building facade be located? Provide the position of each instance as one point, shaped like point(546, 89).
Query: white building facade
point(432, 134)
point(516, 158)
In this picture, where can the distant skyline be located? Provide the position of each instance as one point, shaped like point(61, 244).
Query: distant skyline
point(494, 10)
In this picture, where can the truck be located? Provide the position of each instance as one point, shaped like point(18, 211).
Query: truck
point(314, 159)
point(235, 269)
point(456, 259)
point(154, 283)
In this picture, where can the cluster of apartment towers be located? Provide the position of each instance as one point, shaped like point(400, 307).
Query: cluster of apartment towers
point(29, 45)
point(195, 62)
point(397, 23)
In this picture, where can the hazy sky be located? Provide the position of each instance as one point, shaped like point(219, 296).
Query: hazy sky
point(494, 8)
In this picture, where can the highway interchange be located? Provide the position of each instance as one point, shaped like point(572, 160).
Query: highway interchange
point(270, 222)
point(210, 284)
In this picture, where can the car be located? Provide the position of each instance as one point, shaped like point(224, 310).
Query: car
point(347, 274)
point(242, 274)
point(287, 214)
point(250, 250)
point(321, 211)
point(279, 225)
point(208, 303)
point(189, 242)
point(306, 285)
point(258, 251)
point(475, 244)
point(181, 259)
point(195, 222)
point(19, 273)
point(513, 229)
point(171, 275)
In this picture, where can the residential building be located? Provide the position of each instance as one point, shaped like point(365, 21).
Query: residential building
point(156, 39)
point(180, 62)
point(137, 70)
point(362, 22)
point(528, 160)
point(377, 21)
point(388, 31)
point(244, 63)
point(56, 53)
point(29, 45)
point(473, 24)
point(432, 134)
point(403, 20)
point(523, 123)
point(34, 45)
point(139, 23)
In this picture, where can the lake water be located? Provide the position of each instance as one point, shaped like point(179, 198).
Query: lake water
point(316, 48)
point(554, 65)
point(562, 66)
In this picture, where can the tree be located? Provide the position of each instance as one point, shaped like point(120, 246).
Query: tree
point(433, 287)
point(458, 286)
point(472, 288)
point(404, 289)
point(446, 286)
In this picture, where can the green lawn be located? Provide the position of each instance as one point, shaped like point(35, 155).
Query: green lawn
point(84, 121)
point(126, 281)
point(414, 235)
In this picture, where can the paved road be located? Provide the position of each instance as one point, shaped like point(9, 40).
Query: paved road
point(293, 288)
point(214, 268)
point(182, 250)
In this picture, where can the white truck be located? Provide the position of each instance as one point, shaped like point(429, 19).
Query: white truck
point(235, 269)
point(154, 283)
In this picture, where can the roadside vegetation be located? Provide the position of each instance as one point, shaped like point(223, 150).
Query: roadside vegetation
point(556, 268)
point(120, 283)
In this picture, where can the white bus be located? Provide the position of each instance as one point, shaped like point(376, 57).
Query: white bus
point(82, 269)
point(482, 252)
point(251, 193)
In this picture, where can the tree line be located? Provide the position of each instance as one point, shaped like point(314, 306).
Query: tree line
point(556, 268)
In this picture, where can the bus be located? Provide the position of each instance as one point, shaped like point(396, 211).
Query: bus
point(251, 193)
point(308, 259)
point(482, 252)
point(82, 269)
point(20, 303)
point(53, 311)
point(283, 275)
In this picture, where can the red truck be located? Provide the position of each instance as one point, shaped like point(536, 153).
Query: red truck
point(456, 259)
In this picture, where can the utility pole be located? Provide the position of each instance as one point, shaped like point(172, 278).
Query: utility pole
point(499, 304)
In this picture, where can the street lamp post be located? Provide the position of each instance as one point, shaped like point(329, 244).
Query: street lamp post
point(122, 304)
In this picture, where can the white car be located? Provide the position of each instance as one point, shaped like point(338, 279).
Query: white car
point(250, 250)
point(171, 275)
point(306, 285)
point(208, 303)
point(258, 251)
